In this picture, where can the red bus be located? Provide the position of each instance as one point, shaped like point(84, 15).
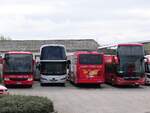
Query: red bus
point(18, 68)
point(86, 68)
point(124, 64)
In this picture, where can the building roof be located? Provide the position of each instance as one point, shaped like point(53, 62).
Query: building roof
point(34, 45)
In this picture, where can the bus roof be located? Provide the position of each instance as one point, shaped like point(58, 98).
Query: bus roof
point(131, 44)
point(122, 44)
point(86, 52)
point(19, 52)
point(46, 45)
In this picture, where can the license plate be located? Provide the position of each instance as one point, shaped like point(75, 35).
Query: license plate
point(18, 83)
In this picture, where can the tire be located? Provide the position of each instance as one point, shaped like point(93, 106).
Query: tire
point(63, 84)
point(136, 85)
point(29, 86)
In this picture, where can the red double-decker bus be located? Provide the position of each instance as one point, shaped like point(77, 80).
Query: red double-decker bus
point(124, 64)
point(86, 68)
point(18, 68)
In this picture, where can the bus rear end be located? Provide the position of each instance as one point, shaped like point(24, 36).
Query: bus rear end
point(18, 69)
point(90, 68)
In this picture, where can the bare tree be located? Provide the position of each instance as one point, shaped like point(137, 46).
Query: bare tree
point(2, 37)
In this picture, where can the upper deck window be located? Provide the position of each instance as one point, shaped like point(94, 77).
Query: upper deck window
point(131, 51)
point(53, 53)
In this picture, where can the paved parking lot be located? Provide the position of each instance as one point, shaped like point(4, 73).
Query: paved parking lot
point(106, 99)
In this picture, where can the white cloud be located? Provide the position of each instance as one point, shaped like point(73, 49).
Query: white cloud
point(107, 21)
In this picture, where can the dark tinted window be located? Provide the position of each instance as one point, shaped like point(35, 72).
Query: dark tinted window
point(90, 59)
point(131, 64)
point(53, 68)
point(131, 50)
point(18, 63)
point(53, 53)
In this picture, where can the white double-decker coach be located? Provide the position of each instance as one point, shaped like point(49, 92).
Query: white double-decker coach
point(53, 64)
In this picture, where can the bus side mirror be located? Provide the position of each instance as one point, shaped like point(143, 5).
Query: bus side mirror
point(116, 60)
point(33, 61)
point(1, 60)
point(68, 63)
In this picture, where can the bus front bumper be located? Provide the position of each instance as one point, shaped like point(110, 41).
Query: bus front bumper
point(90, 81)
point(10, 82)
point(121, 81)
point(53, 78)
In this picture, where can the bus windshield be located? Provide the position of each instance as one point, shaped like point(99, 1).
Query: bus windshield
point(130, 58)
point(18, 63)
point(53, 53)
point(131, 64)
point(90, 59)
point(53, 68)
point(130, 51)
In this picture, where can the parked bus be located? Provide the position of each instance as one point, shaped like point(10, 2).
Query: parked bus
point(53, 64)
point(124, 64)
point(86, 68)
point(147, 70)
point(18, 68)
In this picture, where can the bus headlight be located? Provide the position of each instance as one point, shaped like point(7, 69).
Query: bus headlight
point(30, 79)
point(120, 72)
point(6, 79)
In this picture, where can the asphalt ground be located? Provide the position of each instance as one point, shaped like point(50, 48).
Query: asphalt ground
point(92, 99)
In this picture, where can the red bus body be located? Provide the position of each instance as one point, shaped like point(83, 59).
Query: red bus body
point(114, 73)
point(24, 62)
point(84, 73)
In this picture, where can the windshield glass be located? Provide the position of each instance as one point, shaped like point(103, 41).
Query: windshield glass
point(53, 53)
point(131, 64)
point(18, 63)
point(90, 59)
point(131, 51)
point(53, 68)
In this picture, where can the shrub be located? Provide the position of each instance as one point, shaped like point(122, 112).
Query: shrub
point(25, 104)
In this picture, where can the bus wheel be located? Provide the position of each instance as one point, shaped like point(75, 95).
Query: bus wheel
point(136, 85)
point(63, 84)
point(29, 86)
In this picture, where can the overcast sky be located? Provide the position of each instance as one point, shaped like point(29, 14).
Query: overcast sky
point(106, 21)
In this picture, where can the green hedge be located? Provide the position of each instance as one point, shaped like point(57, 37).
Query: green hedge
point(25, 104)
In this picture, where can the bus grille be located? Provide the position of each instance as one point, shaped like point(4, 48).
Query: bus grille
point(131, 78)
point(18, 79)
